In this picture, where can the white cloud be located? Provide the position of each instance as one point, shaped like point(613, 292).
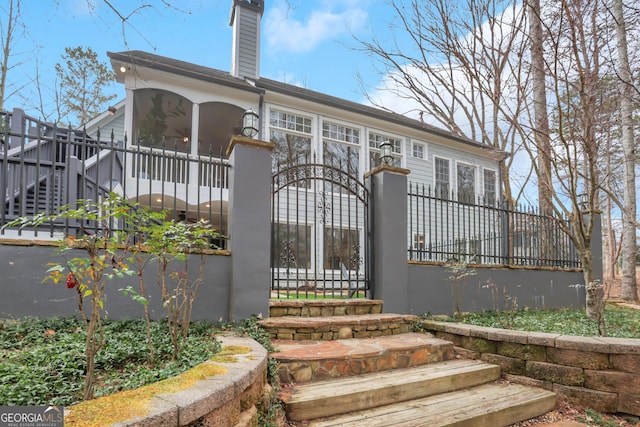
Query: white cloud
point(285, 33)
point(287, 77)
point(84, 7)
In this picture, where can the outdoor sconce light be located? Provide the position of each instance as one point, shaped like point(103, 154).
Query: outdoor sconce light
point(250, 123)
point(385, 153)
point(583, 200)
point(112, 110)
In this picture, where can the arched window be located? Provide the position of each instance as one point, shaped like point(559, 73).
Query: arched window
point(161, 119)
point(218, 122)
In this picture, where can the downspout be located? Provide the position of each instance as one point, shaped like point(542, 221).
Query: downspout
point(260, 111)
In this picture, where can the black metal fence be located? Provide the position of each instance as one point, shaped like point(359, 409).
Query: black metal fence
point(44, 167)
point(444, 229)
point(319, 232)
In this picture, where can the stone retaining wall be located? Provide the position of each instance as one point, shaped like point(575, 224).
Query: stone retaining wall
point(337, 328)
point(324, 308)
point(595, 372)
point(226, 400)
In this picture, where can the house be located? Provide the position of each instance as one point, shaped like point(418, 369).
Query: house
point(191, 111)
point(165, 145)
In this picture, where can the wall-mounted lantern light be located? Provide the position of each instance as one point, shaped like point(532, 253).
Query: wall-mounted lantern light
point(250, 123)
point(385, 153)
point(583, 200)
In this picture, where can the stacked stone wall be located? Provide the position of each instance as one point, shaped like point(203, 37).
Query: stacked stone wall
point(598, 373)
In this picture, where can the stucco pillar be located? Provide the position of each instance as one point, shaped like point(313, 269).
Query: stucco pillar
point(388, 206)
point(249, 228)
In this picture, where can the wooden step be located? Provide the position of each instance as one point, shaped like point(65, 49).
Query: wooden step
point(304, 361)
point(338, 327)
point(489, 405)
point(328, 398)
point(323, 308)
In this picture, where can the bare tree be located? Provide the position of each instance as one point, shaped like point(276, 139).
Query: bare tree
point(629, 242)
point(480, 71)
point(10, 28)
point(458, 68)
point(574, 68)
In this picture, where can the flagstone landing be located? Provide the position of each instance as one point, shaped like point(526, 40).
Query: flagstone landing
point(304, 361)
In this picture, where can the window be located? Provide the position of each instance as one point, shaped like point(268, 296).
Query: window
point(490, 187)
point(442, 177)
point(292, 136)
point(374, 150)
point(341, 248)
point(417, 150)
point(340, 149)
point(341, 133)
point(291, 246)
point(466, 183)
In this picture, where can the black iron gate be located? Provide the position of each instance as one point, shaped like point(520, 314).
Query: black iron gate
point(320, 241)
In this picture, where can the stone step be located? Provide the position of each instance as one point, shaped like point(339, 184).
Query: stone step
point(324, 308)
point(338, 327)
point(488, 405)
point(304, 361)
point(339, 396)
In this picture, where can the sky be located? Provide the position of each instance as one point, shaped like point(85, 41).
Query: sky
point(306, 43)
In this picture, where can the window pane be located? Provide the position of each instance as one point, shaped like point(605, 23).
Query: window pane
point(290, 149)
point(418, 151)
point(489, 186)
point(341, 248)
point(442, 178)
point(466, 183)
point(340, 133)
point(290, 122)
point(291, 246)
point(342, 156)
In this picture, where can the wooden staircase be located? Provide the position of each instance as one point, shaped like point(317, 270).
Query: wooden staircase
point(344, 363)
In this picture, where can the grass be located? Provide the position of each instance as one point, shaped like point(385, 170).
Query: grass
point(306, 295)
point(621, 322)
point(42, 360)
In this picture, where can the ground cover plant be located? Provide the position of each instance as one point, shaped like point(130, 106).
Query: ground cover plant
point(125, 239)
point(620, 321)
point(42, 360)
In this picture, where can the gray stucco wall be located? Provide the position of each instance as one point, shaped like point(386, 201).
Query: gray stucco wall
point(431, 291)
point(22, 292)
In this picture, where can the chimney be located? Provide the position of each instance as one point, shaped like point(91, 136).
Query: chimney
point(245, 20)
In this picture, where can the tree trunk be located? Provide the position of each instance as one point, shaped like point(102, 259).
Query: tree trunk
point(629, 244)
point(541, 115)
point(594, 293)
point(7, 38)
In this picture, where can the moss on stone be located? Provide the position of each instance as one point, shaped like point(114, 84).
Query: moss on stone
point(135, 403)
